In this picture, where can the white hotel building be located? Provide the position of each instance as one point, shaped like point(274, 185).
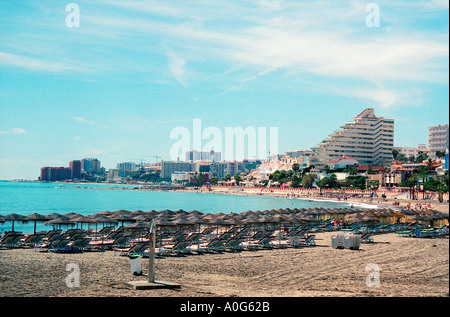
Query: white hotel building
point(367, 138)
point(438, 139)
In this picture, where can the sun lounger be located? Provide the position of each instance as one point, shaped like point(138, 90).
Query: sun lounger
point(177, 248)
point(58, 245)
point(265, 242)
point(136, 249)
point(232, 244)
point(193, 237)
point(405, 233)
point(212, 246)
point(367, 237)
point(309, 241)
point(12, 240)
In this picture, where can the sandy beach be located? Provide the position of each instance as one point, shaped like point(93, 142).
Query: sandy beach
point(407, 267)
point(388, 202)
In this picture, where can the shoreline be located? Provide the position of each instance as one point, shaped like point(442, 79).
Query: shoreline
point(361, 202)
point(364, 202)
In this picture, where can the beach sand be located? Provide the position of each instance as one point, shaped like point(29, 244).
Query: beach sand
point(408, 267)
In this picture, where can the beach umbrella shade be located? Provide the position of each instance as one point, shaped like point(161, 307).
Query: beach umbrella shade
point(122, 212)
point(54, 215)
point(83, 219)
point(247, 213)
point(308, 218)
point(123, 218)
point(104, 213)
point(59, 221)
point(103, 219)
point(15, 217)
point(163, 222)
point(195, 212)
point(137, 213)
point(2, 219)
point(143, 217)
point(180, 222)
point(72, 215)
point(137, 226)
point(181, 211)
point(36, 217)
point(167, 212)
point(361, 218)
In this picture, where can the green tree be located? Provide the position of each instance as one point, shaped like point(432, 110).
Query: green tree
point(238, 179)
point(201, 179)
point(423, 174)
point(295, 168)
point(440, 154)
point(308, 180)
point(295, 182)
point(352, 171)
point(395, 153)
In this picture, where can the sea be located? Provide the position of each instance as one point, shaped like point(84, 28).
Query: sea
point(25, 198)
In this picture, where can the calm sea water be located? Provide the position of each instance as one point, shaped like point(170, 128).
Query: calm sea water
point(46, 198)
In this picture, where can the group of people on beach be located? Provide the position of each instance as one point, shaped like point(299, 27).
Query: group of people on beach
point(338, 224)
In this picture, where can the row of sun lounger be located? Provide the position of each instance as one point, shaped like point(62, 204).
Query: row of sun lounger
point(442, 232)
point(232, 240)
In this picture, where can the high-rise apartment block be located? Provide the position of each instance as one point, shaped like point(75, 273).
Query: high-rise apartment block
point(130, 166)
point(169, 167)
point(53, 174)
point(91, 165)
point(438, 139)
point(367, 138)
point(75, 166)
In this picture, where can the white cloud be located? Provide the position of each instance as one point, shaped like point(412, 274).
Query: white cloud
point(177, 67)
point(38, 64)
point(14, 131)
point(83, 120)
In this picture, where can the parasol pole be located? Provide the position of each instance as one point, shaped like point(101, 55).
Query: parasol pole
point(151, 257)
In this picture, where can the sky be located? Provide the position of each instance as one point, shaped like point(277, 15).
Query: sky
point(112, 79)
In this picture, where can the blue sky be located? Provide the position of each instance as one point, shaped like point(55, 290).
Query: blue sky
point(115, 87)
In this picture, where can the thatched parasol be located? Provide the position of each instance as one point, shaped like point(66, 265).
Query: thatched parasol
point(36, 217)
point(15, 217)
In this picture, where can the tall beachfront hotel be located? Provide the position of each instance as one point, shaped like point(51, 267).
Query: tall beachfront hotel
point(367, 138)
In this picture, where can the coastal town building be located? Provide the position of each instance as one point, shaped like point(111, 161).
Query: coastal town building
point(412, 151)
point(209, 156)
point(366, 138)
point(75, 167)
point(181, 177)
point(222, 169)
point(91, 165)
point(127, 166)
point(299, 153)
point(438, 139)
point(343, 161)
point(170, 167)
point(54, 174)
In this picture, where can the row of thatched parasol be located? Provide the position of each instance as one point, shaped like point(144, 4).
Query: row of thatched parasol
point(180, 217)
